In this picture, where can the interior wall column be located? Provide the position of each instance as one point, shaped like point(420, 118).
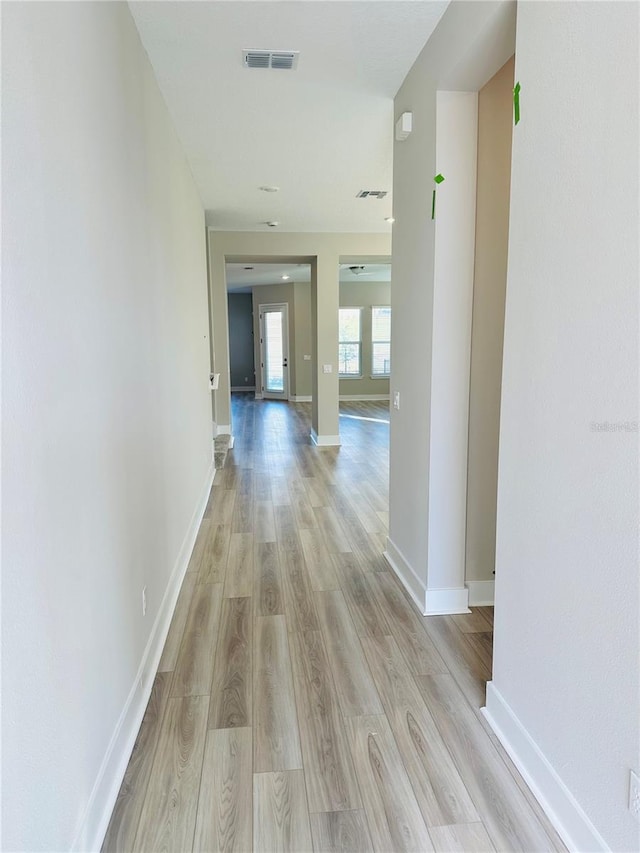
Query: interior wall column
point(325, 300)
point(220, 333)
point(455, 218)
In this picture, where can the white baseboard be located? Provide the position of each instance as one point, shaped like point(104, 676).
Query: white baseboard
point(242, 388)
point(431, 602)
point(95, 821)
point(300, 398)
point(481, 593)
point(224, 429)
point(449, 600)
point(232, 441)
point(324, 440)
point(258, 395)
point(364, 397)
point(559, 804)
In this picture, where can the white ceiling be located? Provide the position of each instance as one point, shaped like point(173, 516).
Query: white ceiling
point(321, 133)
point(241, 280)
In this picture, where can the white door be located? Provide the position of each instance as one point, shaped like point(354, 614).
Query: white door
point(274, 351)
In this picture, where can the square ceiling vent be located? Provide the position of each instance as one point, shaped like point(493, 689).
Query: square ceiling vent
point(285, 60)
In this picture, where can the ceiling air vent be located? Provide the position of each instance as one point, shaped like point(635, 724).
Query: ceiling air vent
point(371, 194)
point(286, 60)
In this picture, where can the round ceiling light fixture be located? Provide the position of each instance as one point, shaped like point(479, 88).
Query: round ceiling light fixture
point(269, 189)
point(389, 219)
point(248, 268)
point(273, 223)
point(285, 277)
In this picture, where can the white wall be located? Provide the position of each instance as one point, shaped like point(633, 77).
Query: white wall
point(106, 410)
point(455, 219)
point(567, 599)
point(495, 122)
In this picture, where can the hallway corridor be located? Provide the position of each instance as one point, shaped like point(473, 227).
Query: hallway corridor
point(302, 703)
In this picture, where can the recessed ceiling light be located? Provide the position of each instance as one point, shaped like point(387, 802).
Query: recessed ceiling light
point(389, 219)
point(269, 189)
point(248, 268)
point(272, 223)
point(285, 277)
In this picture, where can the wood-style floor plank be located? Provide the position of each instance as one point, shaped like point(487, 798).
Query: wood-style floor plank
point(280, 816)
point(321, 571)
point(225, 807)
point(168, 818)
point(335, 539)
point(463, 838)
point(178, 622)
point(505, 813)
point(267, 580)
point(299, 606)
point(419, 651)
point(355, 688)
point(328, 769)
point(230, 705)
point(286, 529)
point(394, 819)
point(340, 832)
point(265, 525)
point(276, 741)
point(192, 675)
point(367, 616)
point(441, 794)
point(214, 558)
point(238, 582)
point(128, 808)
point(201, 541)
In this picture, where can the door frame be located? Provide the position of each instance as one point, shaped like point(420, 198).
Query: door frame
point(262, 309)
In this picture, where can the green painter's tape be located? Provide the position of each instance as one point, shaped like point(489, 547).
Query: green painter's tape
point(516, 103)
point(438, 179)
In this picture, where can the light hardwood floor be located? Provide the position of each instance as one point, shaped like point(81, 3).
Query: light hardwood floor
point(302, 702)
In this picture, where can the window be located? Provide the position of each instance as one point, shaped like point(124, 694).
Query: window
point(380, 340)
point(349, 342)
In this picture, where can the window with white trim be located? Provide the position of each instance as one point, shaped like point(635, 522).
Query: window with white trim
point(349, 341)
point(380, 340)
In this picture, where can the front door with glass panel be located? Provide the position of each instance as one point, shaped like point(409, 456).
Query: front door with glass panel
point(274, 351)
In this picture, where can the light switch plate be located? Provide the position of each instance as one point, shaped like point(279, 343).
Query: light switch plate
point(327, 368)
point(306, 357)
point(396, 400)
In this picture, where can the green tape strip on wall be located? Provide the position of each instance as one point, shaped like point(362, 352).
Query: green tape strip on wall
point(438, 179)
point(516, 103)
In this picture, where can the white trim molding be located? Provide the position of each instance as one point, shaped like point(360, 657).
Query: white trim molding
point(236, 388)
point(559, 804)
point(445, 601)
point(324, 440)
point(481, 593)
point(300, 398)
point(103, 797)
point(224, 429)
point(430, 602)
point(364, 397)
point(258, 395)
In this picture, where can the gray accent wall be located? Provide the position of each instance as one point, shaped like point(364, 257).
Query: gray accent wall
point(241, 352)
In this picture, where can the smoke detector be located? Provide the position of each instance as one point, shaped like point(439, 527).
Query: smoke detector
point(284, 60)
